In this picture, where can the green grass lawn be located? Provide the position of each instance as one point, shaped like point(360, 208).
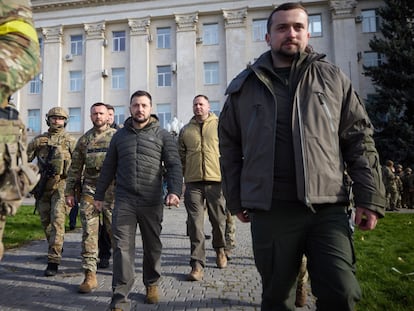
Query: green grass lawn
point(390, 246)
point(24, 227)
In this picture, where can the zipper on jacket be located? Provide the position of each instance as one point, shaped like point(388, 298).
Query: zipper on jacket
point(326, 109)
point(305, 170)
point(328, 113)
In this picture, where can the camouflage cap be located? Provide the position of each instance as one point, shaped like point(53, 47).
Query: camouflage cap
point(57, 111)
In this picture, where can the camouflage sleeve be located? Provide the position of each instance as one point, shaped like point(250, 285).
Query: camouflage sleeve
point(76, 167)
point(31, 150)
point(19, 47)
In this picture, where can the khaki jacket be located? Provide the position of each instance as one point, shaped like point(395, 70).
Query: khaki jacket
point(199, 150)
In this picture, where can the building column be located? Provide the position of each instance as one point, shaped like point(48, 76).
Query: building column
point(52, 70)
point(94, 66)
point(343, 26)
point(235, 24)
point(139, 54)
point(186, 64)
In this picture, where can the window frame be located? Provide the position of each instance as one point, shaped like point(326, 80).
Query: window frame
point(75, 120)
point(118, 78)
point(34, 122)
point(164, 78)
point(210, 34)
point(35, 85)
point(370, 21)
point(211, 75)
point(259, 30)
point(312, 24)
point(119, 41)
point(75, 82)
point(164, 114)
point(76, 45)
point(164, 39)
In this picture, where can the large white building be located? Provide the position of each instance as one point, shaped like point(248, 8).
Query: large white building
point(104, 50)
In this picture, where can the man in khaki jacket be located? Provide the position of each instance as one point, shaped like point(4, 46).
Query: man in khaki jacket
point(199, 152)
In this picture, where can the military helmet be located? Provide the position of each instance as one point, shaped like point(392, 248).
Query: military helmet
point(57, 111)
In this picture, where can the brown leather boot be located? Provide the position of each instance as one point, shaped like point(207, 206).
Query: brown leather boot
point(196, 273)
point(89, 283)
point(152, 294)
point(221, 259)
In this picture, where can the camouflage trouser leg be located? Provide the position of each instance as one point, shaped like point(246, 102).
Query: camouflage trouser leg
point(107, 219)
point(303, 272)
point(2, 225)
point(52, 211)
point(90, 224)
point(230, 232)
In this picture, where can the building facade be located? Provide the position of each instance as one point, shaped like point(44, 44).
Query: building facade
point(104, 50)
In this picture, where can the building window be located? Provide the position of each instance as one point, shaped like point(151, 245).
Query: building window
point(164, 114)
point(259, 29)
point(369, 21)
point(34, 85)
point(163, 76)
point(33, 120)
point(315, 25)
point(41, 47)
point(118, 42)
point(74, 123)
point(76, 45)
point(75, 81)
point(373, 59)
point(119, 115)
point(118, 78)
point(210, 34)
point(211, 73)
point(164, 38)
point(215, 107)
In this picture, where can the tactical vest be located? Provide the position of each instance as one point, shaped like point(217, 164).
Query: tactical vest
point(17, 176)
point(60, 158)
point(95, 153)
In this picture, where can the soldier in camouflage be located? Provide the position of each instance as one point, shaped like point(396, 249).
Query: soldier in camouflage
point(53, 150)
point(19, 62)
point(87, 161)
point(389, 180)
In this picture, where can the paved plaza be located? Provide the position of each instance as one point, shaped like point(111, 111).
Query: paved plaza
point(238, 287)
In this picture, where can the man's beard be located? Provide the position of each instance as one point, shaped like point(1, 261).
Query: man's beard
point(140, 120)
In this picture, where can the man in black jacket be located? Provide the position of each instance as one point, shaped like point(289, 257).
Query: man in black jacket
point(290, 126)
point(139, 155)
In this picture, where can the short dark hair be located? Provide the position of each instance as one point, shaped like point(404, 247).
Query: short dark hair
point(139, 94)
point(201, 95)
point(284, 7)
point(110, 107)
point(98, 104)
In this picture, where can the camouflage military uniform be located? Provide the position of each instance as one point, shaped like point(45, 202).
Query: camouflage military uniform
point(87, 159)
point(19, 62)
point(51, 202)
point(389, 180)
point(230, 234)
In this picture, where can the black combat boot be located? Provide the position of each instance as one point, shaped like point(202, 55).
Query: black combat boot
point(51, 269)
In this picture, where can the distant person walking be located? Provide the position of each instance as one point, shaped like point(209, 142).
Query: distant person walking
point(87, 161)
point(139, 156)
point(53, 151)
point(199, 152)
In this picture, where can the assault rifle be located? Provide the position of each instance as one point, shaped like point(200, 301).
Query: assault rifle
point(47, 171)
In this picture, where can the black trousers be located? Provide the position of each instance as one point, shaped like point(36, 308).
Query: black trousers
point(280, 238)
